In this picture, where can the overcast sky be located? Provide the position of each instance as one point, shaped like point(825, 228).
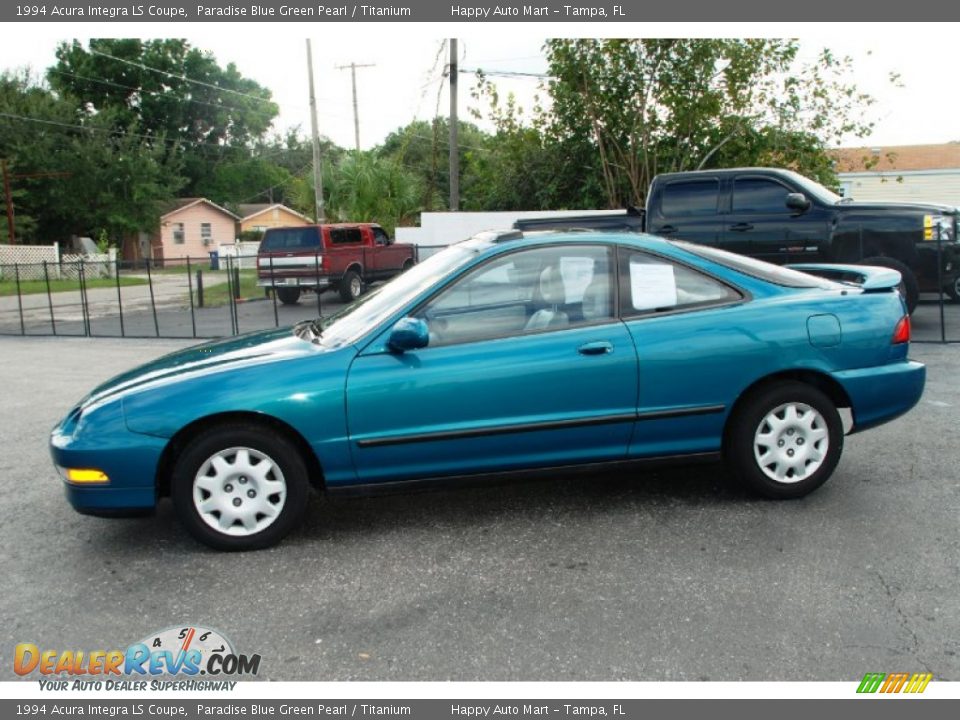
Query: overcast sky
point(406, 80)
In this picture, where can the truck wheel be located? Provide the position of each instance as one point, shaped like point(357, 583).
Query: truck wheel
point(909, 287)
point(407, 264)
point(288, 296)
point(351, 286)
point(953, 290)
point(785, 440)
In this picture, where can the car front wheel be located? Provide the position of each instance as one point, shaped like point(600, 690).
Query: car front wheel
point(240, 487)
point(953, 290)
point(785, 440)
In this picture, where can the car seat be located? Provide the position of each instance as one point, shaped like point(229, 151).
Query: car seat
point(554, 295)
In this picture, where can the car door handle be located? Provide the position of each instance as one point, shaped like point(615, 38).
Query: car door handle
point(741, 227)
point(596, 348)
point(667, 230)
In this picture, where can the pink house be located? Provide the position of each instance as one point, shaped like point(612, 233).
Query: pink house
point(194, 227)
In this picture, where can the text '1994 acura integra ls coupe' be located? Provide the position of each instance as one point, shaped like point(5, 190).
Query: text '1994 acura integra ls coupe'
point(504, 353)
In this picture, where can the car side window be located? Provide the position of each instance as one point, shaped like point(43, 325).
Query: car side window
point(380, 237)
point(534, 290)
point(345, 236)
point(654, 284)
point(690, 198)
point(758, 195)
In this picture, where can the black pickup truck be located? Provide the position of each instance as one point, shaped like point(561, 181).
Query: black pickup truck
point(782, 217)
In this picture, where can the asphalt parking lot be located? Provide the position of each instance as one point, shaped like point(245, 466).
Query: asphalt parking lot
point(669, 575)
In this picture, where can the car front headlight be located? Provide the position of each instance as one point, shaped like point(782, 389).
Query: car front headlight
point(944, 224)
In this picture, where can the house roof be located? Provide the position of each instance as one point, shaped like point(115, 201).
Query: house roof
point(898, 158)
point(181, 204)
point(249, 210)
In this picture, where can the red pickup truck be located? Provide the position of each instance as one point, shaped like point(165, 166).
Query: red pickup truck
point(343, 257)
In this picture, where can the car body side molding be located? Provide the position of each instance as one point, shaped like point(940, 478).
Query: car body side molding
point(539, 426)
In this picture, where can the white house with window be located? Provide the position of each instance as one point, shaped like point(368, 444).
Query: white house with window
point(193, 227)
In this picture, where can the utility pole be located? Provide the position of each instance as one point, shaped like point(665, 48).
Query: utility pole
point(8, 193)
point(317, 177)
point(356, 115)
point(454, 148)
point(9, 197)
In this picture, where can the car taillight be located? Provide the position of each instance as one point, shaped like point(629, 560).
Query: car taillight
point(901, 334)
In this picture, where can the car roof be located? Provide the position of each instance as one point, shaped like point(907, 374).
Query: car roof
point(492, 239)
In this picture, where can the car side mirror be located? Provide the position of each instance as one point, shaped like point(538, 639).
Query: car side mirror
point(408, 334)
point(798, 202)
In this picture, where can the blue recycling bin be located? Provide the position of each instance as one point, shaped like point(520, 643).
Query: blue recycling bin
point(214, 260)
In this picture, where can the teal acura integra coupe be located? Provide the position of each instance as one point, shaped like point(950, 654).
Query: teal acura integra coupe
point(504, 353)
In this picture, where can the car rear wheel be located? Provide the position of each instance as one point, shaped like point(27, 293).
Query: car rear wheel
point(240, 487)
point(288, 296)
point(351, 286)
point(785, 440)
point(909, 287)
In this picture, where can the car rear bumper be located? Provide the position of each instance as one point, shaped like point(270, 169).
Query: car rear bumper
point(306, 282)
point(880, 394)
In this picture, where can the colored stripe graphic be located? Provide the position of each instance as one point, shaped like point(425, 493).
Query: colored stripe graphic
point(894, 682)
point(871, 682)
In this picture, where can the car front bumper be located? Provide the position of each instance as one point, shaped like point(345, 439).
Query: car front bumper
point(128, 459)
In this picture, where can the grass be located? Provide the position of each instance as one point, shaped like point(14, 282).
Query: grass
point(33, 287)
point(219, 295)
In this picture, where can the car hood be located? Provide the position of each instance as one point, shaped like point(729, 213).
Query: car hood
point(903, 206)
point(207, 359)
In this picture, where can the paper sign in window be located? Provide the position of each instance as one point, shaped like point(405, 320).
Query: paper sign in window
point(652, 286)
point(577, 273)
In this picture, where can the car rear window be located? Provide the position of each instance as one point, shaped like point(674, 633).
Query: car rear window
point(297, 238)
point(775, 274)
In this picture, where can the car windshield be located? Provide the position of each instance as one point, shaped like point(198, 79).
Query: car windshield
point(815, 189)
point(349, 324)
point(775, 274)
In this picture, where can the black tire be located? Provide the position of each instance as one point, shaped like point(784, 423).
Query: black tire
point(744, 448)
point(290, 496)
point(909, 287)
point(288, 296)
point(953, 289)
point(407, 264)
point(351, 286)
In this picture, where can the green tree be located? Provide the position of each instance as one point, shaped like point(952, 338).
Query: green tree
point(173, 94)
point(527, 167)
point(88, 175)
point(366, 187)
point(423, 148)
point(621, 111)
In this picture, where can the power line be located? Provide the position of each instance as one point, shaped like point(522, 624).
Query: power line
point(508, 73)
point(184, 78)
point(108, 131)
point(101, 81)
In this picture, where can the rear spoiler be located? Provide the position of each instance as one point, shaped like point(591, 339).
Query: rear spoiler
point(869, 277)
